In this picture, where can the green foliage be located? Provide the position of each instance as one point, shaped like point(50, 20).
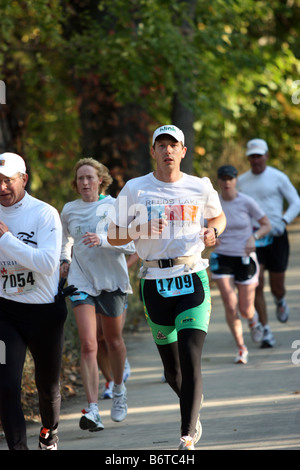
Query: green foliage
point(233, 63)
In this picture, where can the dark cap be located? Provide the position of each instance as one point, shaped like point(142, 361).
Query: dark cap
point(227, 170)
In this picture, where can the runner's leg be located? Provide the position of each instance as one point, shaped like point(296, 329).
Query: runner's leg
point(11, 412)
point(46, 347)
point(190, 345)
point(170, 359)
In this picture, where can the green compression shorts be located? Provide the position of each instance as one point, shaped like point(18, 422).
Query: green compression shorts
point(175, 304)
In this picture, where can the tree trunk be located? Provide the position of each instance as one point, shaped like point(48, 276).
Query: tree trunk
point(184, 119)
point(114, 135)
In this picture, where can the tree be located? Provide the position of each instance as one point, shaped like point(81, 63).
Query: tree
point(97, 77)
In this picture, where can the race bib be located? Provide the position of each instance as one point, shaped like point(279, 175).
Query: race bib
point(79, 296)
point(17, 280)
point(214, 262)
point(265, 241)
point(171, 287)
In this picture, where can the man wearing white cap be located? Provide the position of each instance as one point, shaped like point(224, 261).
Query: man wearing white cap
point(164, 212)
point(31, 313)
point(270, 188)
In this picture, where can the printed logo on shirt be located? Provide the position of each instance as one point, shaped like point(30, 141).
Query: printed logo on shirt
point(26, 238)
point(181, 212)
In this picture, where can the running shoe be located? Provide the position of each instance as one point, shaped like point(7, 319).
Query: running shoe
point(268, 340)
point(107, 391)
point(127, 370)
point(256, 329)
point(48, 439)
point(186, 443)
point(282, 311)
point(242, 356)
point(91, 420)
point(119, 406)
point(198, 432)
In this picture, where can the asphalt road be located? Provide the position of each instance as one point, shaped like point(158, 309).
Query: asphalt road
point(246, 407)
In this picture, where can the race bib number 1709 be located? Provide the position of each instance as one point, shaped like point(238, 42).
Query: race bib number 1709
point(171, 287)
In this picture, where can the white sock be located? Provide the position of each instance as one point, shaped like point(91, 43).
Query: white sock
point(93, 405)
point(118, 388)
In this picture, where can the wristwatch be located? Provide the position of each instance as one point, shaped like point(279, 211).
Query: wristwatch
point(255, 236)
point(216, 232)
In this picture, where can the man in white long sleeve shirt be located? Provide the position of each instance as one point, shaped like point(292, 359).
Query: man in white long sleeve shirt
point(270, 188)
point(30, 313)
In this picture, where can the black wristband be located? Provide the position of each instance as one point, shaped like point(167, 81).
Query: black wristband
point(216, 232)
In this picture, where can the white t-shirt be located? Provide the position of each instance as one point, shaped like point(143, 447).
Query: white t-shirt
point(270, 189)
point(30, 251)
point(184, 204)
point(100, 267)
point(239, 212)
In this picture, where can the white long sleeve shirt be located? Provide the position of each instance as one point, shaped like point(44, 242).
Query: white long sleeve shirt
point(30, 251)
point(270, 189)
point(100, 267)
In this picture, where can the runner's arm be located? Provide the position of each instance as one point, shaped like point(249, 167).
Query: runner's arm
point(218, 223)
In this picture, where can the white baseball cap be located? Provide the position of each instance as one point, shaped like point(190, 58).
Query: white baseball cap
point(170, 130)
point(256, 147)
point(11, 163)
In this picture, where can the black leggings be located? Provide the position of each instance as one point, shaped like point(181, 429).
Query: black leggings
point(40, 328)
point(182, 369)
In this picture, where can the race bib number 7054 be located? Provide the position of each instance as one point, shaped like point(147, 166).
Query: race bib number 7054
point(17, 280)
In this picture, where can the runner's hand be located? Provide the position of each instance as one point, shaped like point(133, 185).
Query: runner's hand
point(209, 237)
point(91, 239)
point(150, 229)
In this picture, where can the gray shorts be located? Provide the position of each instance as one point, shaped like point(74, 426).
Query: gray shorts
point(110, 304)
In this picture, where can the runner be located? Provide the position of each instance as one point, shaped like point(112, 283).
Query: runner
point(164, 212)
point(233, 263)
point(30, 242)
point(101, 276)
point(276, 195)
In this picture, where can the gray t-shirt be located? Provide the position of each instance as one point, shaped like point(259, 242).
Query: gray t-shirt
point(240, 213)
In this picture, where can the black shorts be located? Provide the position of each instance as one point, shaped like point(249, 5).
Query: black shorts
point(275, 257)
point(244, 269)
point(168, 314)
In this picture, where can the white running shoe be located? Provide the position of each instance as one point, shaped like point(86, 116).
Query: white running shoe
point(186, 443)
point(256, 329)
point(242, 356)
point(198, 432)
point(282, 311)
point(127, 370)
point(107, 391)
point(119, 406)
point(91, 420)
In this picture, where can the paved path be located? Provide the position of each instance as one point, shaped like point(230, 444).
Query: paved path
point(253, 406)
